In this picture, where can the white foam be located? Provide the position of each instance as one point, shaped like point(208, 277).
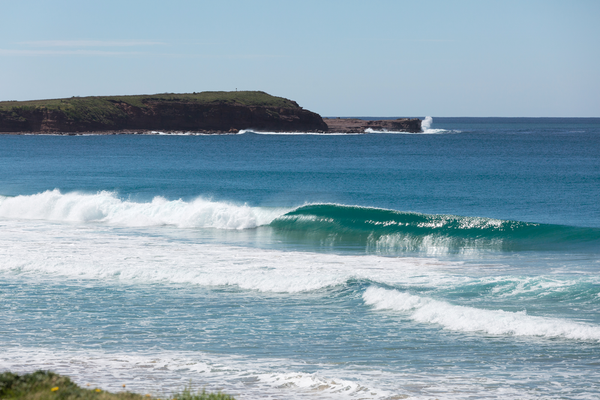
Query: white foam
point(106, 207)
point(371, 130)
point(173, 133)
point(469, 319)
point(164, 373)
point(43, 250)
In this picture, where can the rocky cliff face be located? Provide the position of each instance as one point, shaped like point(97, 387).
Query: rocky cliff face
point(219, 118)
point(171, 113)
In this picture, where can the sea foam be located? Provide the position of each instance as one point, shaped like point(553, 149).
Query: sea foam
point(167, 372)
point(42, 250)
point(470, 319)
point(162, 373)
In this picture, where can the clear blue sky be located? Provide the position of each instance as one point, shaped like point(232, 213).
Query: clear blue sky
point(338, 58)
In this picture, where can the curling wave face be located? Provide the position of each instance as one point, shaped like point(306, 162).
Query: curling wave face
point(390, 231)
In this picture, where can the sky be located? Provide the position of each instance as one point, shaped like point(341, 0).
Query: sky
point(393, 58)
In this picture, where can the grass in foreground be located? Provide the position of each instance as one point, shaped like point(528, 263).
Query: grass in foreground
point(46, 385)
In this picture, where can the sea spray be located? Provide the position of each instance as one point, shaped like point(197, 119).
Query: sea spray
point(426, 127)
point(426, 124)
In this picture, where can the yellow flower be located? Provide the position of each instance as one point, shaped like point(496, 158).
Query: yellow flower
point(54, 389)
point(98, 390)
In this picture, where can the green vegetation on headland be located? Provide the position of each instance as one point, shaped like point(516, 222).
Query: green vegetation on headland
point(45, 385)
point(107, 103)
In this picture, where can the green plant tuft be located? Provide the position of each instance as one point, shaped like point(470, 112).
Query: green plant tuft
point(46, 385)
point(187, 394)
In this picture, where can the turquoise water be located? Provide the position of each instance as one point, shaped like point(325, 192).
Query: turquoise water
point(460, 263)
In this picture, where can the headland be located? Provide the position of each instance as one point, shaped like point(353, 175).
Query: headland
point(204, 112)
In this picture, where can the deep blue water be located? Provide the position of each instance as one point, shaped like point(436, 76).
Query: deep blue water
point(463, 262)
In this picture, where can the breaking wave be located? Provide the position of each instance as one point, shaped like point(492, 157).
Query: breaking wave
point(470, 319)
point(376, 230)
point(106, 207)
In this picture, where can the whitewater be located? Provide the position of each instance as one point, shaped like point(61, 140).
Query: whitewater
point(460, 263)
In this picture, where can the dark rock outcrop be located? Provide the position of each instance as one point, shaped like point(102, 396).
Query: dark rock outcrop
point(353, 125)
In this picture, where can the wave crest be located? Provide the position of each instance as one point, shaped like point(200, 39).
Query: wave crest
point(106, 207)
point(469, 319)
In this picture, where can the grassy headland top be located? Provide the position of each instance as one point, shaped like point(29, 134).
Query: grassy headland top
point(243, 98)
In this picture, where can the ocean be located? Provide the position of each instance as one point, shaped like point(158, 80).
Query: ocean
point(459, 263)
